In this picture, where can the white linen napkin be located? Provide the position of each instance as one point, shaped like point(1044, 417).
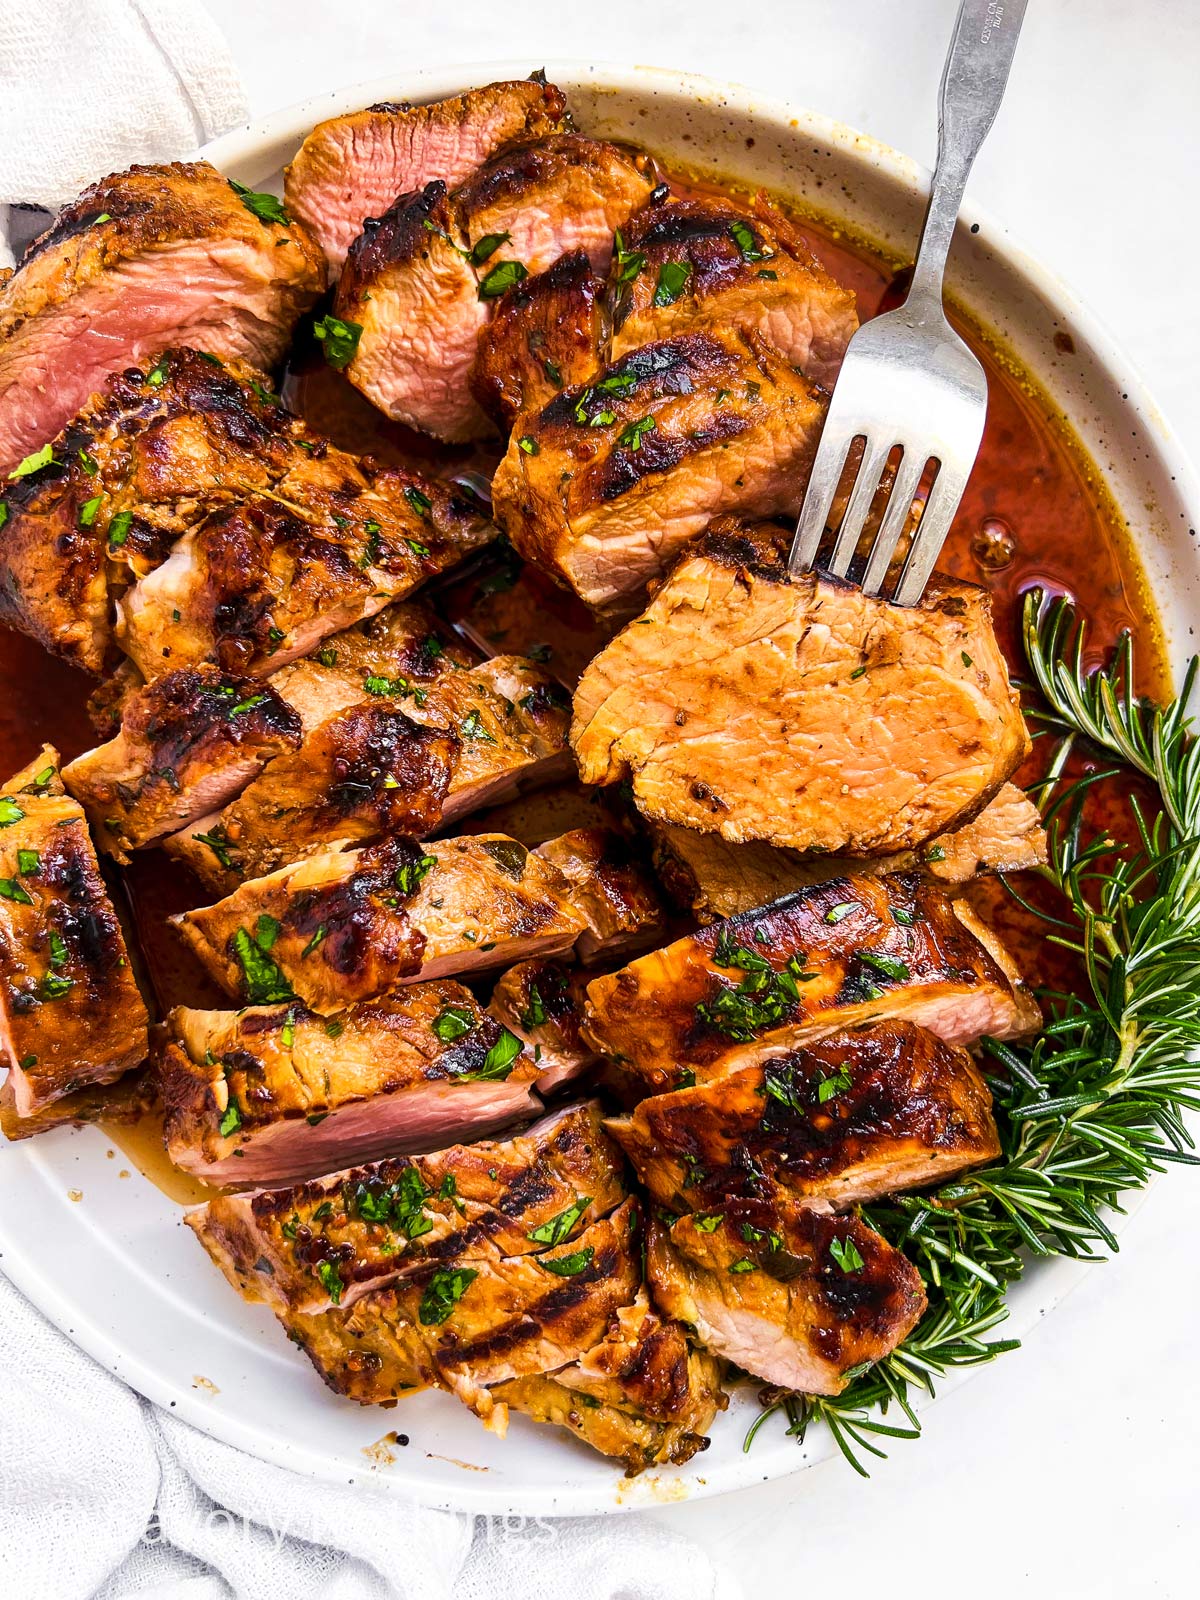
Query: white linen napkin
point(101, 1493)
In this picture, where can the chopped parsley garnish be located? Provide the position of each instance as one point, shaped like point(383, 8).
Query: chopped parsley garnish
point(10, 811)
point(331, 1280)
point(772, 277)
point(629, 263)
point(376, 683)
point(338, 339)
point(762, 999)
point(845, 1253)
point(157, 374)
point(266, 931)
point(499, 1059)
point(43, 778)
point(287, 1034)
point(28, 862)
point(484, 249)
point(3, 512)
point(266, 207)
point(710, 1223)
point(412, 874)
point(632, 436)
point(528, 444)
point(327, 656)
point(534, 1013)
point(53, 986)
point(421, 551)
point(218, 844)
point(58, 951)
point(335, 1027)
point(471, 727)
point(445, 1289)
point(936, 853)
point(10, 889)
point(966, 660)
point(888, 965)
point(829, 1088)
point(118, 529)
point(452, 1022)
point(568, 1266)
point(314, 943)
point(232, 1119)
point(501, 278)
point(743, 1265)
point(779, 1082)
point(421, 503)
point(88, 510)
point(88, 465)
point(558, 1228)
point(246, 705)
point(903, 916)
point(744, 237)
point(672, 280)
point(845, 909)
point(33, 463)
point(262, 978)
point(857, 673)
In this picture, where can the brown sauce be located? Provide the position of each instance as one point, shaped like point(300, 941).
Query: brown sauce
point(1035, 513)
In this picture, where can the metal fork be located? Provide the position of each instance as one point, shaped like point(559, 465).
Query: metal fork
point(907, 379)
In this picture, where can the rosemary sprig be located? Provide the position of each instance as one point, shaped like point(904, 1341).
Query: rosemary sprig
point(1094, 1108)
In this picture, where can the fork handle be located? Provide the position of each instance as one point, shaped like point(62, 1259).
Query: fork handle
point(973, 80)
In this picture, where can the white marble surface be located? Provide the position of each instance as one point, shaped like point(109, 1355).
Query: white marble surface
point(1069, 1468)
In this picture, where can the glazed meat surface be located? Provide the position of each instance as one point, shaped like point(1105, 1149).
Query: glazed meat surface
point(792, 1294)
point(277, 1092)
point(155, 256)
point(606, 483)
point(613, 889)
point(420, 280)
point(71, 1016)
point(352, 167)
point(828, 957)
point(542, 1003)
point(545, 335)
point(842, 1119)
point(712, 264)
point(187, 742)
point(714, 878)
point(347, 926)
point(332, 1240)
point(804, 714)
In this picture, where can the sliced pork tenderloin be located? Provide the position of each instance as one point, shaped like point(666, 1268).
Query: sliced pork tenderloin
point(71, 1015)
point(125, 1100)
point(825, 958)
point(801, 713)
point(187, 743)
point(607, 483)
point(612, 887)
point(542, 1002)
point(352, 167)
point(349, 925)
point(276, 1093)
point(147, 258)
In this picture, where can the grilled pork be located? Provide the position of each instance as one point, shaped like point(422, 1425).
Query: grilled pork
point(604, 485)
point(420, 279)
point(788, 1292)
point(150, 257)
point(71, 1016)
point(712, 264)
point(828, 957)
point(328, 1242)
point(544, 336)
point(187, 742)
point(713, 878)
point(644, 1394)
point(803, 713)
point(276, 1092)
point(612, 888)
point(124, 1101)
point(353, 167)
point(843, 1119)
point(347, 926)
point(542, 1003)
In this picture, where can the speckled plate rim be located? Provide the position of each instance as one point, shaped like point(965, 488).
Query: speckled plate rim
point(118, 1272)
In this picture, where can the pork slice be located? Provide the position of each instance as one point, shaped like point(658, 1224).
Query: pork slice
point(613, 888)
point(802, 713)
point(147, 258)
point(844, 1119)
point(607, 483)
point(644, 1394)
point(714, 878)
point(714, 264)
point(349, 925)
point(276, 1093)
point(535, 202)
point(187, 742)
point(71, 1016)
point(126, 1100)
point(352, 167)
point(827, 957)
point(542, 1003)
point(790, 1293)
point(365, 773)
point(330, 1241)
point(544, 336)
point(410, 288)
point(258, 584)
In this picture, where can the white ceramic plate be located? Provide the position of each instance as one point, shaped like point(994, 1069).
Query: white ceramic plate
point(117, 1270)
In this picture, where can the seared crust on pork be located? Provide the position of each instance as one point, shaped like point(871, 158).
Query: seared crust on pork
point(802, 713)
point(613, 888)
point(542, 1003)
point(827, 957)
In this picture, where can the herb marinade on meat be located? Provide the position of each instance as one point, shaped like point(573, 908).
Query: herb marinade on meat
point(836, 1094)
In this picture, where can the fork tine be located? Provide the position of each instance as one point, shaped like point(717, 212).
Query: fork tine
point(931, 534)
point(869, 473)
point(908, 478)
point(818, 497)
